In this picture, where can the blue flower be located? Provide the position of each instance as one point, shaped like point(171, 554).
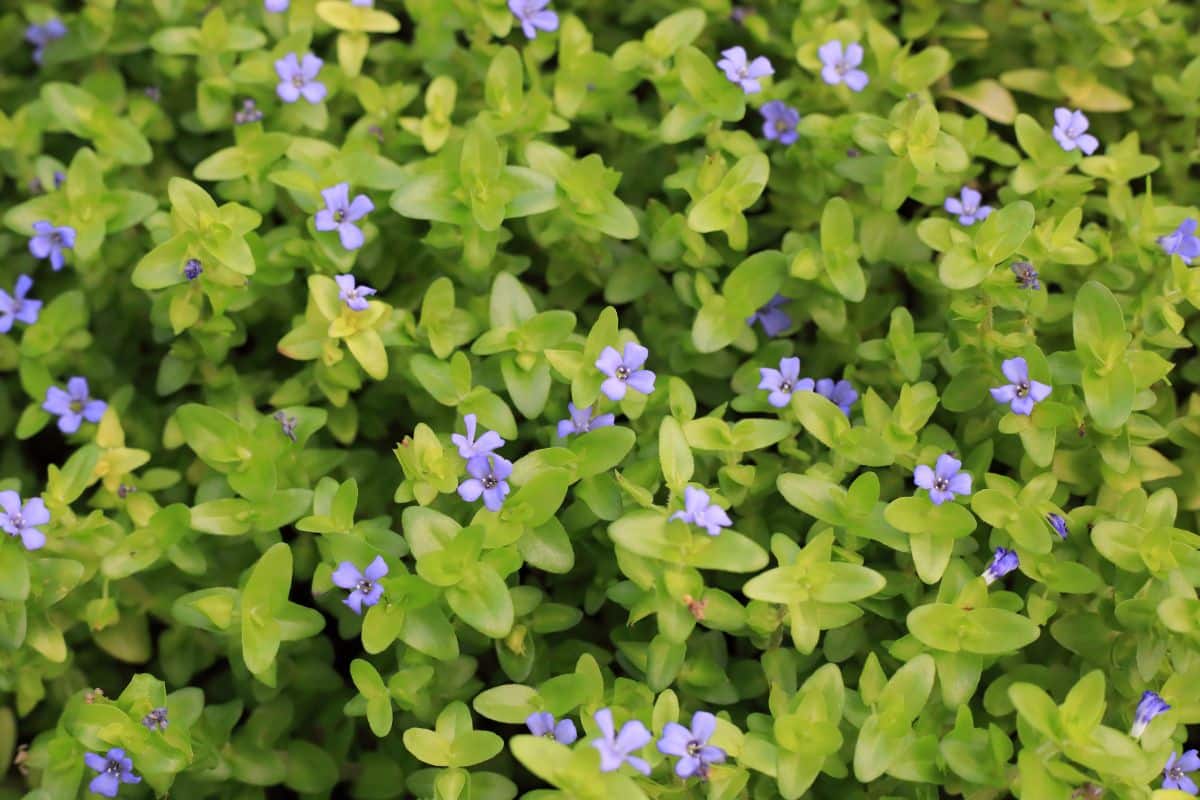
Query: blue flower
point(23, 519)
point(1149, 707)
point(1003, 562)
point(582, 421)
point(299, 77)
point(840, 65)
point(774, 320)
point(74, 405)
point(1059, 524)
point(1022, 393)
point(469, 446)
point(533, 16)
point(625, 370)
point(745, 73)
point(616, 748)
point(699, 511)
point(691, 746)
point(192, 269)
point(114, 768)
point(488, 478)
point(1070, 131)
point(542, 723)
point(156, 720)
point(841, 394)
point(966, 206)
point(1027, 276)
point(17, 307)
point(944, 481)
point(1173, 772)
point(276, 6)
point(340, 214)
point(49, 242)
point(364, 586)
point(782, 382)
point(1182, 241)
point(779, 122)
point(353, 295)
point(40, 36)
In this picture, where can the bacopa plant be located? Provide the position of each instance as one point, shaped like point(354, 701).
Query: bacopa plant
point(610, 401)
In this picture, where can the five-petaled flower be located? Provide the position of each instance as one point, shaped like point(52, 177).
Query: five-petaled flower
point(966, 206)
point(691, 746)
point(625, 371)
point(1004, 561)
point(745, 73)
point(364, 586)
point(582, 421)
point(16, 307)
point(1027, 276)
point(541, 723)
point(489, 475)
point(49, 242)
point(340, 214)
point(617, 748)
point(352, 294)
point(1070, 131)
point(783, 381)
point(1149, 707)
point(698, 510)
point(533, 16)
point(1059, 524)
point(842, 393)
point(114, 767)
point(74, 405)
point(298, 77)
point(771, 316)
point(1182, 241)
point(40, 36)
point(469, 447)
point(944, 481)
point(23, 519)
point(780, 121)
point(1174, 773)
point(1023, 392)
point(840, 65)
point(156, 720)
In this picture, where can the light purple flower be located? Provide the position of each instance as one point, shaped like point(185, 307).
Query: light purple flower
point(840, 65)
point(1022, 393)
point(362, 3)
point(49, 242)
point(1070, 131)
point(1173, 772)
point(698, 510)
point(625, 371)
point(298, 77)
point(1004, 561)
point(74, 405)
point(582, 421)
point(114, 768)
point(340, 214)
point(542, 723)
point(944, 481)
point(17, 307)
point(1182, 241)
point(1059, 524)
point(533, 16)
point(967, 207)
point(615, 748)
point(841, 393)
point(743, 72)
point(156, 720)
point(469, 447)
point(17, 519)
point(780, 121)
point(771, 316)
point(1149, 707)
point(783, 381)
point(276, 6)
point(364, 586)
point(1027, 276)
point(354, 296)
point(488, 478)
point(40, 36)
point(691, 746)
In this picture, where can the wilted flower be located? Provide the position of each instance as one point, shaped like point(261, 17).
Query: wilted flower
point(542, 723)
point(286, 423)
point(692, 747)
point(582, 421)
point(783, 381)
point(1059, 524)
point(698, 510)
point(17, 307)
point(944, 481)
point(842, 394)
point(40, 36)
point(49, 242)
point(468, 446)
point(771, 316)
point(114, 768)
point(192, 269)
point(364, 586)
point(743, 72)
point(533, 16)
point(967, 207)
point(840, 65)
point(298, 77)
point(1004, 561)
point(1027, 276)
point(1149, 707)
point(74, 405)
point(780, 121)
point(156, 720)
point(1182, 241)
point(1070, 131)
point(488, 478)
point(22, 519)
point(1173, 772)
point(354, 296)
point(625, 370)
point(340, 214)
point(1023, 392)
point(615, 748)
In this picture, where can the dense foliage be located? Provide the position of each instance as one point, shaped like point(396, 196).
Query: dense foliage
point(583, 399)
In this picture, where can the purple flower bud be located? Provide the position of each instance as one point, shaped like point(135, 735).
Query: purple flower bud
point(1022, 393)
point(192, 269)
point(1027, 276)
point(771, 316)
point(156, 720)
point(340, 214)
point(698, 510)
point(1173, 772)
point(967, 206)
point(745, 73)
point(1003, 562)
point(17, 307)
point(1059, 524)
point(780, 121)
point(354, 296)
point(616, 748)
point(364, 586)
point(542, 724)
point(249, 113)
point(691, 746)
point(74, 405)
point(944, 481)
point(623, 371)
point(533, 16)
point(840, 65)
point(114, 768)
point(782, 382)
point(488, 478)
point(299, 77)
point(23, 519)
point(1149, 707)
point(1182, 241)
point(49, 242)
point(1070, 131)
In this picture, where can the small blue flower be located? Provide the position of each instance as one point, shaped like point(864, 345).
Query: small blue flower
point(353, 295)
point(1059, 524)
point(533, 16)
point(745, 73)
point(49, 242)
point(16, 307)
point(489, 475)
point(691, 746)
point(114, 768)
point(299, 77)
point(779, 122)
point(40, 36)
point(192, 269)
point(23, 519)
point(1003, 562)
point(1070, 131)
point(1022, 393)
point(364, 586)
point(542, 723)
point(840, 65)
point(771, 316)
point(469, 447)
point(1182, 241)
point(616, 748)
point(582, 421)
point(625, 370)
point(1173, 772)
point(698, 510)
point(782, 382)
point(156, 720)
point(74, 405)
point(1027, 276)
point(944, 481)
point(841, 394)
point(1149, 707)
point(340, 214)
point(966, 206)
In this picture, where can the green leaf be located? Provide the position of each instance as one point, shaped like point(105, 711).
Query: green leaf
point(482, 601)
